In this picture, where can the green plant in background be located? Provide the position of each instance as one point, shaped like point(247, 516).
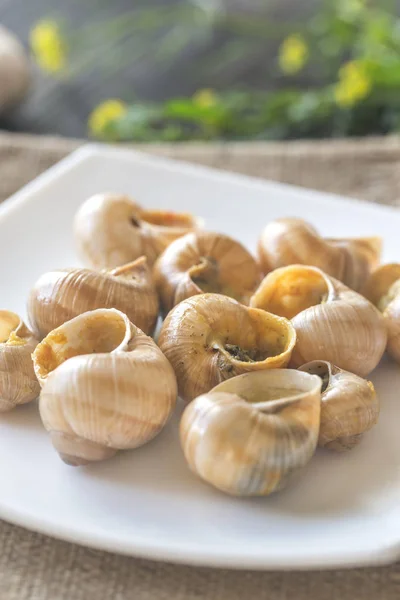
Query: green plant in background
point(351, 47)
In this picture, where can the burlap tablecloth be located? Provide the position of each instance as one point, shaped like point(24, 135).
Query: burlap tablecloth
point(35, 567)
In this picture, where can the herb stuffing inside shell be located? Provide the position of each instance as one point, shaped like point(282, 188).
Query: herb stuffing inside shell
point(209, 338)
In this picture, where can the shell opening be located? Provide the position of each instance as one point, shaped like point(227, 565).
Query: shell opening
point(267, 336)
point(250, 355)
point(9, 323)
point(100, 331)
point(271, 394)
point(270, 390)
point(165, 218)
point(241, 353)
point(320, 368)
point(287, 292)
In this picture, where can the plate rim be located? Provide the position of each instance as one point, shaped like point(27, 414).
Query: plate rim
point(383, 555)
point(90, 150)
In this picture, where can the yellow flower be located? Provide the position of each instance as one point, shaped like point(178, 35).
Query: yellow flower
point(104, 114)
point(205, 98)
point(48, 46)
point(354, 84)
point(293, 54)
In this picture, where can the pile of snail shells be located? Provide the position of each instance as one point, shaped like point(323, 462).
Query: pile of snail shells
point(270, 367)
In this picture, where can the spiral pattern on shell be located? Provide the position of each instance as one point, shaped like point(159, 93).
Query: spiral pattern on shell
point(332, 322)
point(106, 386)
point(349, 406)
point(202, 262)
point(209, 338)
point(249, 434)
point(59, 296)
point(383, 289)
point(18, 382)
point(292, 241)
point(111, 230)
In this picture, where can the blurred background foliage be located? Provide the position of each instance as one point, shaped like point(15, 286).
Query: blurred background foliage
point(323, 69)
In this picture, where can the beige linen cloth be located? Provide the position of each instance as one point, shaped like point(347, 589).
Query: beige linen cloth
point(35, 567)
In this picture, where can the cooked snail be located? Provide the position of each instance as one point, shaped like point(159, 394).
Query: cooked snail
point(249, 434)
point(112, 230)
point(349, 406)
point(291, 241)
point(332, 322)
point(61, 295)
point(106, 386)
point(209, 338)
point(383, 290)
point(18, 382)
point(205, 262)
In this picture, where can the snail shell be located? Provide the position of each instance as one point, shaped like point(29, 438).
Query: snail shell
point(61, 295)
point(383, 290)
point(18, 383)
point(332, 322)
point(291, 241)
point(349, 406)
point(106, 386)
point(205, 262)
point(112, 230)
point(250, 433)
point(209, 338)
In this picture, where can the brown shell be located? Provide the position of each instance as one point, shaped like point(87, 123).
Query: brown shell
point(205, 262)
point(112, 230)
point(106, 386)
point(61, 295)
point(332, 322)
point(248, 435)
point(349, 406)
point(292, 241)
point(383, 289)
point(210, 338)
point(18, 382)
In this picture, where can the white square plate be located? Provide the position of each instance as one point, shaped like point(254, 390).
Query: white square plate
point(344, 510)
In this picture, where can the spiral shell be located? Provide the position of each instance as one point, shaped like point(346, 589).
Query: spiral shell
point(205, 262)
point(112, 230)
point(383, 290)
point(61, 295)
point(18, 383)
point(106, 386)
point(292, 241)
point(349, 406)
point(332, 322)
point(250, 433)
point(209, 338)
